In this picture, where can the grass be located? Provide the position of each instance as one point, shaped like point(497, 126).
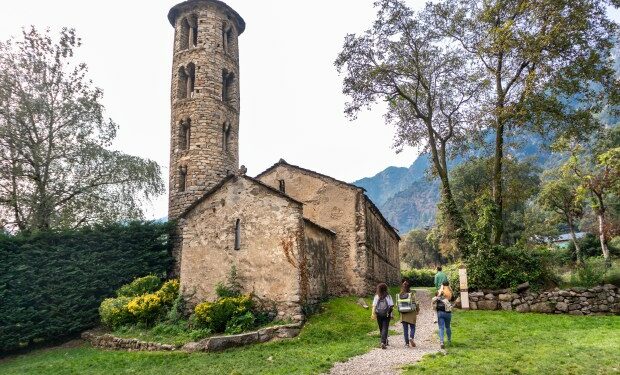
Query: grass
point(337, 333)
point(495, 342)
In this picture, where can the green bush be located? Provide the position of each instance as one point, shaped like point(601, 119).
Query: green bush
point(216, 315)
point(590, 246)
point(590, 274)
point(497, 267)
point(612, 277)
point(52, 283)
point(169, 292)
point(420, 277)
point(140, 286)
point(114, 312)
point(240, 323)
point(146, 308)
point(232, 288)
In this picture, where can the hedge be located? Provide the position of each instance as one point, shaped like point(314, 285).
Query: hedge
point(52, 283)
point(423, 277)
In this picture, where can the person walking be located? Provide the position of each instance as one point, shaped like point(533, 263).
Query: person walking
point(382, 306)
point(443, 306)
point(408, 309)
point(440, 277)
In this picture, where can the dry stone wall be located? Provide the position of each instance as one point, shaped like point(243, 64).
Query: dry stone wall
point(575, 301)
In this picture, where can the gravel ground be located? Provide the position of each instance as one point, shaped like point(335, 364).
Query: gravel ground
point(389, 361)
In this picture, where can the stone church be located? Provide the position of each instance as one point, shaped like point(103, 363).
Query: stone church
point(295, 236)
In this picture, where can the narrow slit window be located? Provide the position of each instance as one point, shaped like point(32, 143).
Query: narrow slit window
point(184, 134)
point(225, 136)
point(193, 32)
point(182, 83)
point(182, 178)
point(282, 186)
point(185, 34)
point(227, 37)
point(227, 85)
point(238, 234)
point(191, 79)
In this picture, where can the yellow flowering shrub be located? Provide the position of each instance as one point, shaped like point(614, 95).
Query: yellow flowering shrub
point(145, 308)
point(215, 315)
point(114, 312)
point(168, 292)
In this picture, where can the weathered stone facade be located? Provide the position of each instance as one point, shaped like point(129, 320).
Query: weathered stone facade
point(270, 256)
point(366, 246)
point(294, 236)
point(204, 124)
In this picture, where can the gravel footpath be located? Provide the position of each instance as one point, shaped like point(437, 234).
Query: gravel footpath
point(389, 361)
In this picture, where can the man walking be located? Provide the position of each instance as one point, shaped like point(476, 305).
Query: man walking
point(440, 277)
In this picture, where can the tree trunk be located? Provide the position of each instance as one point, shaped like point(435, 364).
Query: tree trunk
point(601, 235)
point(574, 237)
point(498, 198)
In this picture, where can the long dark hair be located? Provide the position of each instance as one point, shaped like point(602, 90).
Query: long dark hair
point(382, 290)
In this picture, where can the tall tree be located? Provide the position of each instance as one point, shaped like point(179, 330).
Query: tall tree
point(560, 194)
point(55, 166)
point(471, 183)
point(427, 85)
point(536, 54)
point(597, 166)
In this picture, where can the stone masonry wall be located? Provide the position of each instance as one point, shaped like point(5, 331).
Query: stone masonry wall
point(575, 301)
point(331, 206)
point(319, 244)
point(382, 251)
point(206, 160)
point(271, 241)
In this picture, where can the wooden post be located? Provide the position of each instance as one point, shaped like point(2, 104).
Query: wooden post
point(463, 287)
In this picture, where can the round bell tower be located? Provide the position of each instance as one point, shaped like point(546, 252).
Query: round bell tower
point(204, 97)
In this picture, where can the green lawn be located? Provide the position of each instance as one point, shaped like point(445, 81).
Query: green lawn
point(493, 342)
point(340, 332)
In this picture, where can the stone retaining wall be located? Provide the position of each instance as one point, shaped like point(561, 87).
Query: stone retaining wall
point(575, 301)
point(210, 344)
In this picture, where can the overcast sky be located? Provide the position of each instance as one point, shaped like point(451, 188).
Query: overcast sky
point(291, 100)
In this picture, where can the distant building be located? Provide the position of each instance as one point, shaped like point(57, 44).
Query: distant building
point(561, 241)
point(295, 236)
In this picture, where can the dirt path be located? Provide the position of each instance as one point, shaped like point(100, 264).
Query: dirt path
point(389, 361)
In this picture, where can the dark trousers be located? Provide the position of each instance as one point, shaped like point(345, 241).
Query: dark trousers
point(407, 328)
point(384, 324)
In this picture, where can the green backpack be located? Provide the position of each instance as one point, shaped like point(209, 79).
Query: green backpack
point(406, 304)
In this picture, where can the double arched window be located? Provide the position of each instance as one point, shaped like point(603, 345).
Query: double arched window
point(189, 32)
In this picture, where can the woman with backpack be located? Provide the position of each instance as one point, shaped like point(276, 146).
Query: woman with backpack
point(382, 306)
point(408, 309)
point(442, 305)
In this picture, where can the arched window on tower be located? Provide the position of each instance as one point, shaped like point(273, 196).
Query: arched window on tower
point(182, 178)
point(189, 32)
point(186, 80)
point(226, 136)
point(237, 234)
point(227, 37)
point(228, 79)
point(184, 37)
point(185, 133)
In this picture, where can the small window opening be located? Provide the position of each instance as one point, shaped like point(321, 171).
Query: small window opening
point(187, 77)
point(185, 32)
point(227, 84)
point(193, 32)
point(182, 178)
point(225, 135)
point(227, 37)
point(282, 186)
point(238, 234)
point(184, 134)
